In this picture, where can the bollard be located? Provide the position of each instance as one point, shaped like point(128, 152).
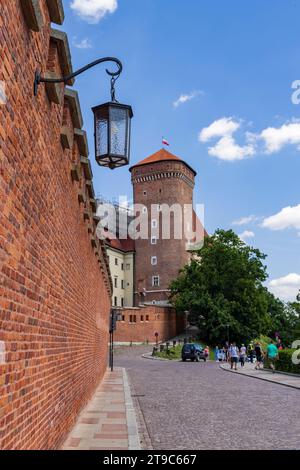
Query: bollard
point(154, 351)
point(162, 347)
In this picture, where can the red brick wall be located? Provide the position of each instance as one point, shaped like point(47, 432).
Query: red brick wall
point(162, 320)
point(54, 298)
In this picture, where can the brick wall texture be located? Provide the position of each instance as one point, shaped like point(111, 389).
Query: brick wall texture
point(171, 253)
point(149, 320)
point(54, 295)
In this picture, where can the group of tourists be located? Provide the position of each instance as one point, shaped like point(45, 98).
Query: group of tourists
point(234, 354)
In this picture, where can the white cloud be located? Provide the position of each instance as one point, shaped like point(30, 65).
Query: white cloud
point(188, 97)
point(286, 287)
point(93, 11)
point(277, 138)
point(245, 220)
point(83, 44)
point(246, 234)
point(288, 217)
point(222, 127)
point(226, 148)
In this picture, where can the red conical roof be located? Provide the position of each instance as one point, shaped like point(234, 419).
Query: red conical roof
point(161, 156)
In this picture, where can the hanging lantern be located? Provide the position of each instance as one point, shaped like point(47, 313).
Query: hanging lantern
point(112, 134)
point(112, 120)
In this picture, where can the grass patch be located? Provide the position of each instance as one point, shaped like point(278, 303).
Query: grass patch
point(173, 353)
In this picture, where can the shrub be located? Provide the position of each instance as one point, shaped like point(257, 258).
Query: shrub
point(284, 362)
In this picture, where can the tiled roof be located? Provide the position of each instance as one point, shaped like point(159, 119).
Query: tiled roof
point(125, 245)
point(161, 156)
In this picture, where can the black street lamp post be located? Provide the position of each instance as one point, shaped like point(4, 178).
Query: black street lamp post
point(115, 315)
point(112, 120)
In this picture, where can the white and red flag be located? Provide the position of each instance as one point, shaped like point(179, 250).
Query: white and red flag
point(165, 142)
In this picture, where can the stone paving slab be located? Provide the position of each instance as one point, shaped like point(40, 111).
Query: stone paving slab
point(263, 374)
point(108, 421)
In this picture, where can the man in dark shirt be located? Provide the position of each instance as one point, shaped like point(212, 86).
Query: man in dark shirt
point(259, 356)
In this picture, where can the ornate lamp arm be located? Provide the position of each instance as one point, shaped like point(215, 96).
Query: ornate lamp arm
point(39, 79)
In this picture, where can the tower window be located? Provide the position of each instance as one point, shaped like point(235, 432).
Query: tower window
point(116, 261)
point(154, 223)
point(155, 281)
point(144, 210)
point(116, 281)
point(153, 240)
point(154, 260)
point(145, 193)
point(115, 301)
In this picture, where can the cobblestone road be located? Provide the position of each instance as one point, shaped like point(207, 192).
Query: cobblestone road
point(199, 406)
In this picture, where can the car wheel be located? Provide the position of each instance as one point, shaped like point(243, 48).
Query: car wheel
point(204, 359)
point(183, 359)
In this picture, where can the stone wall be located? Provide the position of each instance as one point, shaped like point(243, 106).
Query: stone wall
point(55, 286)
point(148, 321)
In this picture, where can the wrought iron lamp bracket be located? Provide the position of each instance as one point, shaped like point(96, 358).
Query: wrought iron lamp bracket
point(38, 79)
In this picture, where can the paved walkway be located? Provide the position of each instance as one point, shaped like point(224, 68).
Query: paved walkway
point(108, 421)
point(279, 378)
point(188, 405)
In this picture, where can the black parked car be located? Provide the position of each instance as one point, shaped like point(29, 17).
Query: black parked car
point(192, 351)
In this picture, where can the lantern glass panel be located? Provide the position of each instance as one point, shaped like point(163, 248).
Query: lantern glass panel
point(101, 117)
point(118, 131)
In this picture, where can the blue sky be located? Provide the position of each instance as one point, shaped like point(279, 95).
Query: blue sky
point(231, 65)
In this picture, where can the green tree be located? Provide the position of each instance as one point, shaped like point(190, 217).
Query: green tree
point(223, 285)
point(284, 319)
point(296, 305)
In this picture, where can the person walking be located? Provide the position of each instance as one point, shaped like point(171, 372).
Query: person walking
point(206, 352)
point(259, 356)
point(243, 354)
point(251, 351)
point(217, 353)
point(272, 355)
point(233, 355)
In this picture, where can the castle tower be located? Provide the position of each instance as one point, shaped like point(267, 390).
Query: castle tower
point(161, 179)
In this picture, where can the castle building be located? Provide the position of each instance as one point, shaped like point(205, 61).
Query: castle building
point(143, 268)
point(121, 263)
point(161, 181)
